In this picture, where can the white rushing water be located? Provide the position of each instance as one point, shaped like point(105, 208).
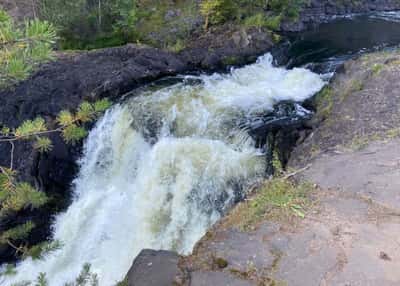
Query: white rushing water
point(160, 168)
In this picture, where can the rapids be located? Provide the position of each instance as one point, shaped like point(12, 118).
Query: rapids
point(161, 167)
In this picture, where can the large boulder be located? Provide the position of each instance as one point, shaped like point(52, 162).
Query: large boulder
point(154, 268)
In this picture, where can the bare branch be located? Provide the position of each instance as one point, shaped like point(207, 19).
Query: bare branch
point(12, 155)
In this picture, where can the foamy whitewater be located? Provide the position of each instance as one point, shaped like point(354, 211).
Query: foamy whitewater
point(162, 167)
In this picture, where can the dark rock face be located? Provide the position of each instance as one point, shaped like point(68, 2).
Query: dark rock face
point(20, 9)
point(226, 46)
point(154, 268)
point(285, 114)
point(319, 11)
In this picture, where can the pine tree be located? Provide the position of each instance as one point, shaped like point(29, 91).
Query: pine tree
point(16, 196)
point(23, 48)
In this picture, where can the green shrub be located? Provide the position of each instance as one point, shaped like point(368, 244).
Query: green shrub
point(216, 11)
point(261, 20)
point(86, 24)
point(258, 20)
point(287, 8)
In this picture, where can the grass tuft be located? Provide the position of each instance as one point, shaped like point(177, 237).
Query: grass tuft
point(277, 200)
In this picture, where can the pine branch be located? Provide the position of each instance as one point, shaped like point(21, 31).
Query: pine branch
point(15, 196)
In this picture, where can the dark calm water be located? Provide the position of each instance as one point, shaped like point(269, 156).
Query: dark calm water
point(329, 45)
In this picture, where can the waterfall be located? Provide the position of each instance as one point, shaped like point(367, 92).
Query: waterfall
point(162, 167)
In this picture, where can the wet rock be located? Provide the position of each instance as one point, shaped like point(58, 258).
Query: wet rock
point(154, 268)
point(278, 131)
point(285, 115)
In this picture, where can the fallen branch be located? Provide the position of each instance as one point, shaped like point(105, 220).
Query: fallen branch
point(288, 176)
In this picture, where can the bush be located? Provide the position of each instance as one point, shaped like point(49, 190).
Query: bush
point(216, 11)
point(89, 24)
point(286, 8)
point(260, 20)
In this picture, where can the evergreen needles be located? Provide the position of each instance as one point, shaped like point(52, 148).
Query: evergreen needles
point(17, 196)
point(22, 49)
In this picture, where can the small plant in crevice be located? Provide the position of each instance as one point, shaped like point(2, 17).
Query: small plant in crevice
point(277, 199)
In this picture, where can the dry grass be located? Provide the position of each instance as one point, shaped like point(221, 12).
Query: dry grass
point(277, 200)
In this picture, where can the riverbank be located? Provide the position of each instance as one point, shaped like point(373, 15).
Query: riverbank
point(349, 233)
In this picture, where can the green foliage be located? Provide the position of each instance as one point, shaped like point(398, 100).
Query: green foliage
point(20, 232)
point(101, 105)
point(90, 24)
point(260, 20)
point(22, 49)
point(287, 8)
point(87, 24)
point(127, 18)
point(74, 133)
point(40, 250)
point(278, 199)
point(65, 118)
point(86, 277)
point(41, 280)
point(17, 196)
point(216, 11)
point(31, 127)
point(43, 144)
